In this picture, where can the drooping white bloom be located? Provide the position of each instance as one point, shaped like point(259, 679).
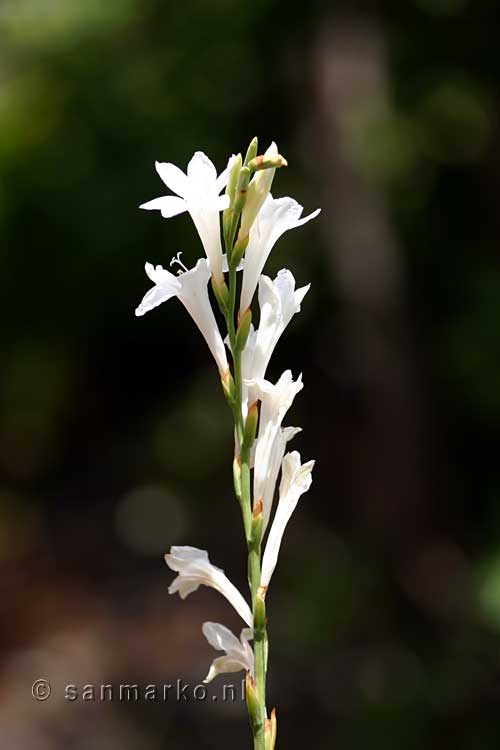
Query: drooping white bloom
point(278, 301)
point(191, 288)
point(198, 193)
point(239, 654)
point(295, 480)
point(195, 569)
point(270, 446)
point(275, 217)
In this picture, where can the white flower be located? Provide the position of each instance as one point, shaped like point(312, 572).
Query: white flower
point(270, 446)
point(239, 655)
point(195, 569)
point(295, 480)
point(191, 288)
point(198, 193)
point(275, 217)
point(265, 480)
point(278, 301)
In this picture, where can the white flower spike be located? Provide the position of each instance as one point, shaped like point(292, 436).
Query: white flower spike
point(276, 216)
point(239, 654)
point(195, 569)
point(198, 192)
point(276, 400)
point(295, 480)
point(191, 289)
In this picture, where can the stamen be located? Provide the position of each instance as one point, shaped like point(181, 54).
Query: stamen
point(176, 259)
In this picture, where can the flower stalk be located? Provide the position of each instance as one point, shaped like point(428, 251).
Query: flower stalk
point(252, 222)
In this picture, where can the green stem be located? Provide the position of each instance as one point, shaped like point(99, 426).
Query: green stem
point(244, 495)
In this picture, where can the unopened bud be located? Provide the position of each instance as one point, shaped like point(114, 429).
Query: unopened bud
point(251, 151)
point(267, 162)
point(251, 425)
point(232, 179)
point(258, 190)
point(221, 294)
point(243, 330)
point(252, 698)
point(228, 218)
point(240, 195)
point(228, 385)
point(259, 617)
point(239, 251)
point(257, 524)
point(270, 731)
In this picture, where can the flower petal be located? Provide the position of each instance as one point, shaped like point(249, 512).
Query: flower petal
point(169, 205)
point(201, 172)
point(295, 480)
point(224, 665)
point(173, 177)
point(194, 296)
point(220, 637)
point(167, 286)
point(179, 555)
point(239, 654)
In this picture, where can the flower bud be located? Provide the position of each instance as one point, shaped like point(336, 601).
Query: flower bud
point(252, 697)
point(241, 189)
point(221, 294)
point(270, 731)
point(228, 385)
point(259, 617)
point(257, 524)
point(251, 425)
point(260, 186)
point(274, 161)
point(243, 330)
point(239, 251)
point(228, 214)
point(251, 151)
point(232, 179)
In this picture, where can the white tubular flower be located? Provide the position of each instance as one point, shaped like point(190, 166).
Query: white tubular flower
point(274, 219)
point(198, 193)
point(295, 480)
point(195, 569)
point(271, 441)
point(191, 289)
point(265, 481)
point(239, 655)
point(278, 301)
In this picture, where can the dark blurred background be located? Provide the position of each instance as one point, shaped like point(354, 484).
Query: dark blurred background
point(115, 441)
